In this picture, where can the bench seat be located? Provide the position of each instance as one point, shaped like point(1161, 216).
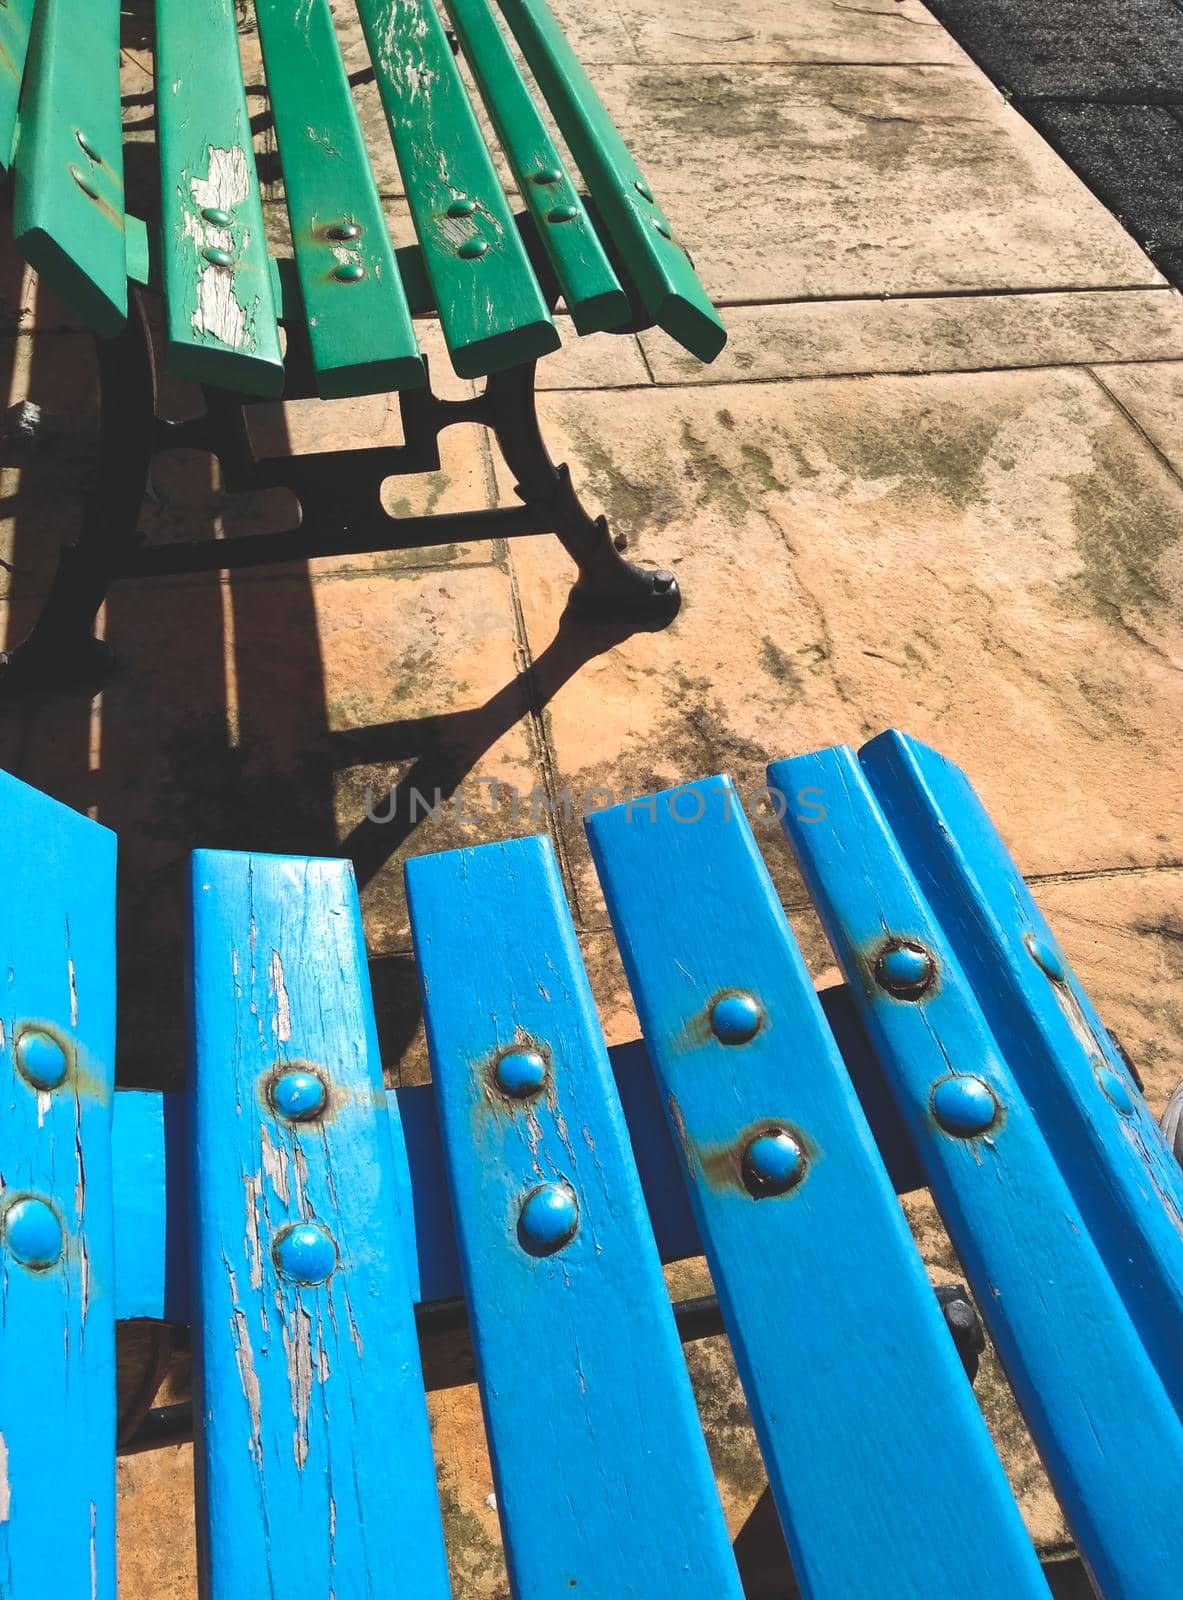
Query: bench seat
point(600, 240)
point(310, 1225)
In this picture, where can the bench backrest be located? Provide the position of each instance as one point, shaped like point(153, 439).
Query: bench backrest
point(308, 1242)
point(609, 252)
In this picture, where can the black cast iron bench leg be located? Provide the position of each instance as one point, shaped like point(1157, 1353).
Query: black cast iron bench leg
point(608, 585)
point(61, 648)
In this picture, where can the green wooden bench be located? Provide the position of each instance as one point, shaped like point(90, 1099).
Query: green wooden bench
point(337, 319)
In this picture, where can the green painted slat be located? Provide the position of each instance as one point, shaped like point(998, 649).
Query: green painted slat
point(359, 323)
point(590, 287)
point(219, 302)
point(491, 307)
point(15, 17)
point(68, 200)
point(667, 283)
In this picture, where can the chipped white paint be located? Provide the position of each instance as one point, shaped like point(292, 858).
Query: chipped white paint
point(73, 989)
point(275, 1163)
point(249, 1379)
point(5, 1490)
point(253, 1185)
point(283, 1007)
point(226, 185)
point(297, 1347)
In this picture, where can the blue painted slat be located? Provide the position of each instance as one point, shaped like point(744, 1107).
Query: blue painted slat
point(1109, 1147)
point(826, 1301)
point(309, 1391)
point(1097, 1409)
point(57, 1294)
point(603, 1482)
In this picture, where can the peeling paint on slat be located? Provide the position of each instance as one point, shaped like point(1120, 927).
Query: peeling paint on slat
point(5, 1490)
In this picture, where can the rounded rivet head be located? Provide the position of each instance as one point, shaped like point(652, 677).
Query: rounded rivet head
point(305, 1253)
point(521, 1073)
point(33, 1233)
point(216, 257)
point(462, 208)
point(216, 216)
point(84, 182)
point(40, 1059)
point(549, 1218)
point(773, 1163)
point(662, 228)
point(344, 230)
point(1044, 957)
point(964, 1105)
point(547, 175)
point(86, 145)
point(736, 1018)
point(471, 249)
point(562, 214)
point(298, 1094)
point(643, 189)
point(1115, 1091)
point(349, 272)
point(904, 969)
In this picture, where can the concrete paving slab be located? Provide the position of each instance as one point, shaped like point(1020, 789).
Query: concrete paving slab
point(823, 31)
point(948, 334)
point(834, 182)
point(987, 561)
point(1152, 394)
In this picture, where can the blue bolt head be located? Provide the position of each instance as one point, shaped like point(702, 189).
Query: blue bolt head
point(40, 1059)
point(1045, 957)
point(964, 1105)
point(305, 1253)
point(298, 1094)
point(33, 1232)
point(521, 1073)
point(548, 1219)
point(905, 969)
point(1115, 1091)
point(736, 1017)
point(773, 1163)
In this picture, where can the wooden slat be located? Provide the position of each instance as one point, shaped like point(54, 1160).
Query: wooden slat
point(491, 308)
point(1115, 1159)
point(1097, 1409)
point(591, 289)
point(57, 1318)
point(219, 301)
point(68, 201)
point(359, 325)
point(15, 18)
point(665, 279)
point(859, 1400)
point(309, 1392)
point(603, 1482)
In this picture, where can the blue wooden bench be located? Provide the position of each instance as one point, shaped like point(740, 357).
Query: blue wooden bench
point(333, 315)
point(312, 1227)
